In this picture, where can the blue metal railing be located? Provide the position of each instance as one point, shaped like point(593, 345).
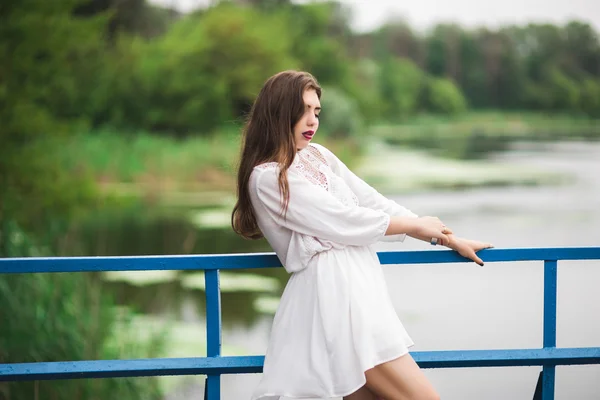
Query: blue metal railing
point(214, 365)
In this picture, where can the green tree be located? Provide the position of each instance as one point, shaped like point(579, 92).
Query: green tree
point(397, 39)
point(367, 94)
point(581, 56)
point(511, 80)
point(40, 43)
point(590, 97)
point(401, 84)
point(473, 78)
point(137, 17)
point(318, 32)
point(436, 63)
point(555, 91)
point(564, 90)
point(444, 97)
point(341, 117)
point(208, 68)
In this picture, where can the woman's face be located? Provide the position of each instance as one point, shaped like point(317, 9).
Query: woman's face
point(308, 124)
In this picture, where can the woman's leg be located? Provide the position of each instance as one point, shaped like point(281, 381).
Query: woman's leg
point(361, 394)
point(400, 379)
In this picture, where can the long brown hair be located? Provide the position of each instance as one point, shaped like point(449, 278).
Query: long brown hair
point(268, 137)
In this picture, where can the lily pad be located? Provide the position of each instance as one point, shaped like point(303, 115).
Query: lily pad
point(141, 278)
point(233, 282)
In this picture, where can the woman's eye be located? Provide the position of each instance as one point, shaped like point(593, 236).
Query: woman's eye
point(318, 115)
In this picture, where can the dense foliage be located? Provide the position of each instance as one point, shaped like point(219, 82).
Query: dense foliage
point(189, 74)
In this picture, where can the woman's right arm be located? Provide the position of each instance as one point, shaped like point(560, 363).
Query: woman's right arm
point(422, 228)
point(426, 228)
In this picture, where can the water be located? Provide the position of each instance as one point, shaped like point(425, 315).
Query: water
point(451, 306)
point(500, 305)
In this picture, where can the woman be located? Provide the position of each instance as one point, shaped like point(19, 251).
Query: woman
point(335, 333)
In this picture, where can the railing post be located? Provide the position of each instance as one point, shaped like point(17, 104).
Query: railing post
point(550, 288)
point(213, 330)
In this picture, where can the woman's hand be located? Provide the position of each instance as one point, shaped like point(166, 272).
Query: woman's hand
point(467, 248)
point(430, 228)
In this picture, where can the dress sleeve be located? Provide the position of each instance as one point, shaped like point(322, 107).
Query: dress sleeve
point(367, 196)
point(313, 211)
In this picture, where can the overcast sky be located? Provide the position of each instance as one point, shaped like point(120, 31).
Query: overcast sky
point(368, 14)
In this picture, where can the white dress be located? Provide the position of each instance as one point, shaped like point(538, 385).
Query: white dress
point(335, 319)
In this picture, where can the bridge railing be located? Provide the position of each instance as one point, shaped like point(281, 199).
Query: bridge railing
point(214, 364)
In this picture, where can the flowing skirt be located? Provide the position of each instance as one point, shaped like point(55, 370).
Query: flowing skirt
point(335, 320)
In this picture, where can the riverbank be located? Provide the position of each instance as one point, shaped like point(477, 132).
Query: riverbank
point(475, 134)
point(431, 153)
point(394, 169)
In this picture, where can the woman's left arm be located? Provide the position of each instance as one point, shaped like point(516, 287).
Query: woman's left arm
point(370, 198)
point(367, 196)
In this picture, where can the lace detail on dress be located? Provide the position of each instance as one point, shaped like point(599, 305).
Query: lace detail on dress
point(313, 166)
point(317, 154)
point(336, 185)
point(309, 163)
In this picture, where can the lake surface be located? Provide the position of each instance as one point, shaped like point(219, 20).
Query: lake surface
point(444, 307)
